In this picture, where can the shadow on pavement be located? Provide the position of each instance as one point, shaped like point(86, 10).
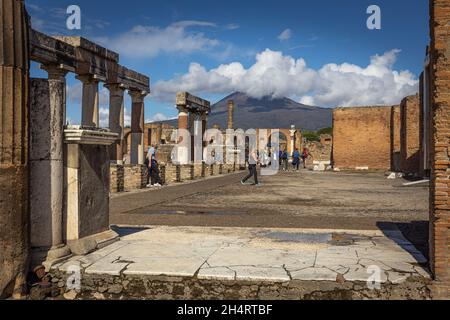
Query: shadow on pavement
point(416, 232)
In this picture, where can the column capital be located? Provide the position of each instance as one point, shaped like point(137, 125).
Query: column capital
point(137, 96)
point(115, 88)
point(87, 78)
point(56, 71)
point(182, 109)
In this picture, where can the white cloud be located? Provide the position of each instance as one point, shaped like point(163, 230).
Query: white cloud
point(277, 75)
point(150, 41)
point(378, 83)
point(158, 117)
point(232, 26)
point(285, 35)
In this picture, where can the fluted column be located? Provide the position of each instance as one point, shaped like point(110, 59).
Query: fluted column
point(137, 127)
point(14, 175)
point(116, 119)
point(90, 105)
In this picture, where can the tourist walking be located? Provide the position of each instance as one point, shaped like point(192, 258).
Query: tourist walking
point(284, 160)
point(252, 167)
point(153, 178)
point(305, 155)
point(296, 159)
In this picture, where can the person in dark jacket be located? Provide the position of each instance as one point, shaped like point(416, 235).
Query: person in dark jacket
point(296, 159)
point(252, 167)
point(284, 159)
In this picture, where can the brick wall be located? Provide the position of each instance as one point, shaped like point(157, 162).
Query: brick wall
point(440, 149)
point(362, 138)
point(135, 177)
point(117, 178)
point(395, 139)
point(410, 135)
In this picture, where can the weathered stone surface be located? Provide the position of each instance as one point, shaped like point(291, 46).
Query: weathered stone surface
point(14, 154)
point(314, 274)
point(70, 295)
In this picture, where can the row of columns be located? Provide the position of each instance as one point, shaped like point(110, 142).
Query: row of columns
point(90, 115)
point(189, 121)
point(90, 118)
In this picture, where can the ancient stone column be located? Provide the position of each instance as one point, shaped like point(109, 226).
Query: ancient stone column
point(292, 132)
point(137, 127)
point(230, 114)
point(50, 166)
point(14, 108)
point(204, 118)
point(183, 117)
point(90, 104)
point(116, 119)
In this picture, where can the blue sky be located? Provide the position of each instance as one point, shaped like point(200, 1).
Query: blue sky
point(316, 52)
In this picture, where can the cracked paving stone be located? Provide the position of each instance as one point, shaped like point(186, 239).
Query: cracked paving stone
point(360, 273)
point(109, 268)
point(397, 278)
point(401, 266)
point(314, 274)
point(219, 273)
point(250, 273)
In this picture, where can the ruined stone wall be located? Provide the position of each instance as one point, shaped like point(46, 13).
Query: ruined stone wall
point(362, 138)
point(198, 171)
point(186, 172)
point(135, 177)
point(102, 287)
point(440, 149)
point(410, 135)
point(117, 174)
point(317, 151)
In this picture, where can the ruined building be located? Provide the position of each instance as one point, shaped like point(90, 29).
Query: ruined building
point(54, 179)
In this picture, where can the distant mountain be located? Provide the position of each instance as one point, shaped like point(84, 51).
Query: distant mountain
point(268, 113)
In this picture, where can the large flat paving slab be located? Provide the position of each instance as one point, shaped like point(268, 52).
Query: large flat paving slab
point(256, 254)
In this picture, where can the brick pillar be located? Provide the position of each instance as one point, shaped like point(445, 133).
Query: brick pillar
point(14, 174)
point(230, 124)
point(440, 148)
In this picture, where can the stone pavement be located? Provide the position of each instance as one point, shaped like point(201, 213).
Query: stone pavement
point(306, 199)
point(256, 254)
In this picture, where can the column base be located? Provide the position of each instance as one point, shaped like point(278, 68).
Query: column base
point(97, 241)
point(55, 255)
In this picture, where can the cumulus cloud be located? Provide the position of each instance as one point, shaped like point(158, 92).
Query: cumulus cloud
point(285, 35)
point(277, 75)
point(272, 75)
point(150, 41)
